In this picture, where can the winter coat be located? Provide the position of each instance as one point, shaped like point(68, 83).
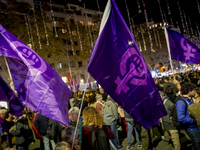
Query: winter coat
point(21, 123)
point(110, 112)
point(195, 113)
point(183, 117)
point(169, 108)
point(79, 128)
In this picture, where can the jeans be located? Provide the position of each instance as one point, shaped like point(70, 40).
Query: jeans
point(115, 141)
point(46, 143)
point(131, 127)
point(194, 135)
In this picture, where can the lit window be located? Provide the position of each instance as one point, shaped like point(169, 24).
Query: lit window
point(89, 23)
point(60, 65)
point(73, 32)
point(64, 30)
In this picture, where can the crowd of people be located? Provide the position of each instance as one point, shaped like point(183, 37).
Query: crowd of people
point(101, 119)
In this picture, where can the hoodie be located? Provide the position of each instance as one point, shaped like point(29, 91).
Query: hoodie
point(110, 112)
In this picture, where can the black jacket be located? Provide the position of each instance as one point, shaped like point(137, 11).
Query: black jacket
point(41, 124)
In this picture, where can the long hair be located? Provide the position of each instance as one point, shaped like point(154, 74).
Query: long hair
point(91, 116)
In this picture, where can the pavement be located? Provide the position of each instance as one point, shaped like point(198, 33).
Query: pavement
point(159, 144)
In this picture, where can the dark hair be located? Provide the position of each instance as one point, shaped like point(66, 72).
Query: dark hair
point(169, 89)
point(198, 90)
point(186, 79)
point(92, 99)
point(166, 78)
point(187, 87)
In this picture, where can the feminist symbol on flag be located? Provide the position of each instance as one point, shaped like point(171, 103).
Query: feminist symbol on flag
point(190, 50)
point(35, 63)
point(136, 69)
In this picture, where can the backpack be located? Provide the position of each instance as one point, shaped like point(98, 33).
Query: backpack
point(175, 121)
point(100, 140)
point(37, 134)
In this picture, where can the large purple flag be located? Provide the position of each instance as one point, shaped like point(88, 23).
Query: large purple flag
point(181, 48)
point(118, 66)
point(38, 85)
point(6, 94)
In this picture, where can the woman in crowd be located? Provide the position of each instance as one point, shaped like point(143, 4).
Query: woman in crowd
point(94, 122)
point(68, 135)
point(73, 117)
point(94, 103)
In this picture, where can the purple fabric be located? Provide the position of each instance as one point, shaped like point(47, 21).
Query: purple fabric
point(118, 66)
point(38, 85)
point(7, 94)
point(183, 49)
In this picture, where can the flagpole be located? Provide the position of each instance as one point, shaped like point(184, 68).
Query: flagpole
point(80, 110)
point(69, 63)
point(168, 47)
point(11, 80)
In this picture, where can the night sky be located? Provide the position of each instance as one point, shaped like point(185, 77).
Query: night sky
point(152, 7)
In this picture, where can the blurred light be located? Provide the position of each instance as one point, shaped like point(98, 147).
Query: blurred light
point(81, 81)
point(64, 79)
point(60, 65)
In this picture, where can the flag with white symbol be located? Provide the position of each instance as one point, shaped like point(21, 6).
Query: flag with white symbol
point(118, 66)
point(38, 85)
point(182, 49)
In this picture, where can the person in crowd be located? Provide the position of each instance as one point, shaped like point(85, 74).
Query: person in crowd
point(68, 135)
point(104, 94)
point(3, 127)
point(63, 146)
point(71, 101)
point(166, 80)
point(94, 122)
point(73, 117)
point(110, 117)
point(185, 80)
point(87, 94)
point(22, 132)
point(169, 105)
point(191, 128)
point(157, 82)
point(131, 127)
point(42, 124)
point(77, 102)
point(96, 104)
point(9, 123)
point(195, 113)
point(197, 96)
point(170, 94)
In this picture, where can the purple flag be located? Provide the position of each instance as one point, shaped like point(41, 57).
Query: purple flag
point(118, 66)
point(38, 85)
point(6, 94)
point(181, 48)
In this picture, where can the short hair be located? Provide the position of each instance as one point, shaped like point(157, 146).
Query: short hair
point(187, 87)
point(169, 89)
point(75, 109)
point(68, 134)
point(186, 79)
point(98, 96)
point(62, 146)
